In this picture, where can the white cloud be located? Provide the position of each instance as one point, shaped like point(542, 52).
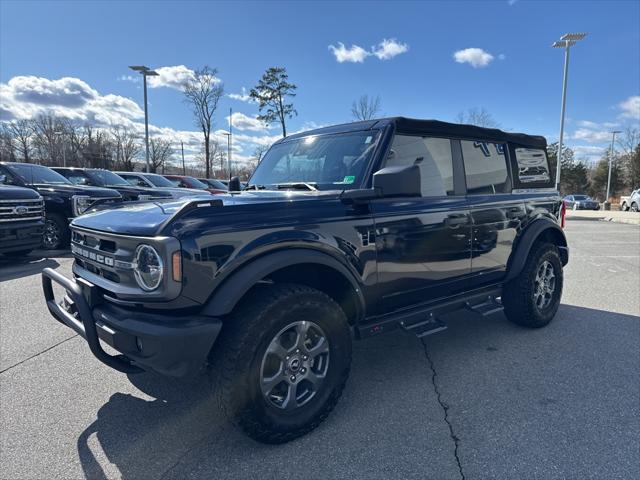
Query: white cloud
point(243, 97)
point(476, 57)
point(129, 78)
point(354, 54)
point(512, 2)
point(73, 99)
point(387, 49)
point(630, 108)
point(67, 97)
point(240, 121)
point(588, 153)
point(591, 136)
point(502, 56)
point(171, 77)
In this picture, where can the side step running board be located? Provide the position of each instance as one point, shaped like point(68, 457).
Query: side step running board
point(426, 327)
point(426, 319)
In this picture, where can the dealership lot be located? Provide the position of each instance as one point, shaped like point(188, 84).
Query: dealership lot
point(484, 398)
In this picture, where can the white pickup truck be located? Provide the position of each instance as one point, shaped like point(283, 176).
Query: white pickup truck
point(630, 202)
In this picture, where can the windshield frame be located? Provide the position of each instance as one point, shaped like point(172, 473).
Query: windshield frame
point(16, 167)
point(150, 177)
point(95, 175)
point(378, 135)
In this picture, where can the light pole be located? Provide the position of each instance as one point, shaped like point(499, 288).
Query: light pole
point(64, 151)
point(566, 41)
point(228, 134)
point(230, 138)
point(145, 72)
point(613, 140)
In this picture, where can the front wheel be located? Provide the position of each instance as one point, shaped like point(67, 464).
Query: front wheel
point(56, 232)
point(533, 297)
point(634, 207)
point(285, 355)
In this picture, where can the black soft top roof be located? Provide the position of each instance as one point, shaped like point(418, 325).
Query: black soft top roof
point(433, 127)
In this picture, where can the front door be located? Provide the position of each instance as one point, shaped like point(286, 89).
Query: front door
point(423, 244)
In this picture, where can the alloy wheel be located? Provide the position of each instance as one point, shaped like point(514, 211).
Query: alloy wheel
point(52, 234)
point(295, 365)
point(544, 285)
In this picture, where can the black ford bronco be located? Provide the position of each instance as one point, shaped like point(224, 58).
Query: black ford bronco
point(342, 232)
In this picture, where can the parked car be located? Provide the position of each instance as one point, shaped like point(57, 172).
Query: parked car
point(630, 202)
point(581, 202)
point(62, 199)
point(342, 232)
point(105, 178)
point(21, 219)
point(216, 184)
point(155, 181)
point(184, 181)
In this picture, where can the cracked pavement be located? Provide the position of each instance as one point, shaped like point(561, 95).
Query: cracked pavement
point(483, 399)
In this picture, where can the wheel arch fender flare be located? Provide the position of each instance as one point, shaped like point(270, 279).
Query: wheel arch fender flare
point(226, 296)
point(540, 228)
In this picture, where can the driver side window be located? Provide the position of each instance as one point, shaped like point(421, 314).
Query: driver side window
point(433, 157)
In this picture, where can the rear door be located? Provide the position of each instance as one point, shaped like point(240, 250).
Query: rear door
point(496, 214)
point(423, 244)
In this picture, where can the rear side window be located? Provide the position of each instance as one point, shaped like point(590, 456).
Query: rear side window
point(532, 165)
point(433, 157)
point(485, 166)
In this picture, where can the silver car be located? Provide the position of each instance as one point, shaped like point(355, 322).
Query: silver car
point(153, 180)
point(632, 202)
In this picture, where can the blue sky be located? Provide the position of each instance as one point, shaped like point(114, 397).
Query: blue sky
point(71, 58)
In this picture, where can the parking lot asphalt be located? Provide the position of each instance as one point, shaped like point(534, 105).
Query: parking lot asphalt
point(483, 399)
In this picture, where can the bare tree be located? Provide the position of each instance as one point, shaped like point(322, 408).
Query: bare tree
point(259, 152)
point(365, 108)
point(271, 94)
point(7, 144)
point(47, 139)
point(203, 92)
point(160, 151)
point(127, 147)
point(22, 133)
point(479, 117)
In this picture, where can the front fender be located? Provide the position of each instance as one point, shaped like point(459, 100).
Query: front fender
point(238, 282)
point(537, 229)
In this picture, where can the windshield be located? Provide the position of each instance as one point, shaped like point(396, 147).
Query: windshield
point(37, 174)
point(213, 183)
point(195, 183)
point(580, 197)
point(107, 178)
point(158, 180)
point(324, 162)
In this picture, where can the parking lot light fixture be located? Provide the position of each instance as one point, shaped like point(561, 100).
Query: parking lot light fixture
point(145, 72)
point(613, 140)
point(566, 41)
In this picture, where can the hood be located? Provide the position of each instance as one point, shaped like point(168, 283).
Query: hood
point(147, 218)
point(8, 192)
point(178, 192)
point(70, 189)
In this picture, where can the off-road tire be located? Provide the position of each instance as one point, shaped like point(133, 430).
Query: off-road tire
point(245, 337)
point(518, 294)
point(64, 234)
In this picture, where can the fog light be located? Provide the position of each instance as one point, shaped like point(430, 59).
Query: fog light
point(139, 343)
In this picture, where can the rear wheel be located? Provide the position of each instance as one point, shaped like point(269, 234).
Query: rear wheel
point(56, 232)
point(533, 297)
point(285, 355)
point(624, 207)
point(634, 207)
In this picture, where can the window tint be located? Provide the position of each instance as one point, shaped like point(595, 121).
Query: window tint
point(485, 167)
point(532, 165)
point(433, 157)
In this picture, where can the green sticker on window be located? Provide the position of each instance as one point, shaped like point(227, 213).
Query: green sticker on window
point(349, 179)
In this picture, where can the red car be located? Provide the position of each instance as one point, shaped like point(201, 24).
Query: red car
point(184, 181)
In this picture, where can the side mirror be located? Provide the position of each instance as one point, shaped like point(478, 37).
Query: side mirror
point(402, 181)
point(234, 184)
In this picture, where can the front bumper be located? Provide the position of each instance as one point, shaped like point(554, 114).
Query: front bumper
point(21, 236)
point(169, 344)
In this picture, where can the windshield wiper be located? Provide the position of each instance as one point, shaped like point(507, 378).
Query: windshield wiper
point(298, 185)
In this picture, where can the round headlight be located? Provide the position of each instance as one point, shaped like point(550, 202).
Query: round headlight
point(148, 268)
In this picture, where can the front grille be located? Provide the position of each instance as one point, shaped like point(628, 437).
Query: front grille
point(21, 210)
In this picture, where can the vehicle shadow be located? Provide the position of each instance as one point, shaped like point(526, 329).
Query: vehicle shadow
point(14, 268)
point(175, 427)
